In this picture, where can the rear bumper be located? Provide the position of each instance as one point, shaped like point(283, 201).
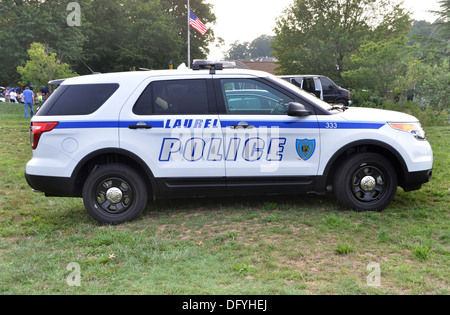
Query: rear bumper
point(415, 180)
point(53, 186)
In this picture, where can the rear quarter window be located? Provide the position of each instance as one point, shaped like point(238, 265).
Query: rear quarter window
point(83, 99)
point(174, 97)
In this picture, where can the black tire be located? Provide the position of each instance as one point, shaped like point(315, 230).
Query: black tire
point(365, 182)
point(114, 193)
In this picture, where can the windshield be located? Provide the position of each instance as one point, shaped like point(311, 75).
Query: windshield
point(309, 97)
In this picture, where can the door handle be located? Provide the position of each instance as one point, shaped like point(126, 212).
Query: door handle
point(140, 126)
point(242, 125)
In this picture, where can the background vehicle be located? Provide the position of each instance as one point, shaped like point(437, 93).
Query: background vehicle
point(2, 97)
point(322, 87)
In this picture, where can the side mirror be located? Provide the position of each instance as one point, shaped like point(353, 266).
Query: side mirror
point(297, 109)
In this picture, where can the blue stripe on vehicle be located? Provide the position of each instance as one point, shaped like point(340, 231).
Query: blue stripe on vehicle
point(227, 123)
point(306, 124)
point(105, 124)
point(87, 124)
point(153, 123)
point(351, 125)
point(279, 124)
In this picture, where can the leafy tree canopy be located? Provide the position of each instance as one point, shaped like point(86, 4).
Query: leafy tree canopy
point(25, 22)
point(377, 65)
point(314, 37)
point(259, 47)
point(42, 67)
point(114, 35)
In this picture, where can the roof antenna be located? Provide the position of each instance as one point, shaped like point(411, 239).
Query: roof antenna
point(92, 71)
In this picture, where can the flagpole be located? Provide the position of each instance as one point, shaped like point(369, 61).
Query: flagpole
point(189, 34)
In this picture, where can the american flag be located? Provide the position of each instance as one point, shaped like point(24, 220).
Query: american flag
point(197, 24)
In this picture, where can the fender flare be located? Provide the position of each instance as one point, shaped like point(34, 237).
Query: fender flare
point(370, 143)
point(121, 152)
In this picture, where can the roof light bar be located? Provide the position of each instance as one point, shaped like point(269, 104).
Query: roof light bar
point(207, 64)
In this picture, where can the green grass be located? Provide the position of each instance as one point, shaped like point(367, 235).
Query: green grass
point(260, 245)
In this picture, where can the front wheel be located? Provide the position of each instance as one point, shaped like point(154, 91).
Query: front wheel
point(366, 182)
point(114, 193)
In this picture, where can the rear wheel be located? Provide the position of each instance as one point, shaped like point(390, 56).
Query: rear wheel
point(366, 182)
point(114, 193)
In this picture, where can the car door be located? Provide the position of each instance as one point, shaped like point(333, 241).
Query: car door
point(330, 93)
point(318, 88)
point(312, 85)
point(263, 145)
point(173, 125)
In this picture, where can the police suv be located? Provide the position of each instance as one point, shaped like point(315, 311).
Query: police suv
point(117, 140)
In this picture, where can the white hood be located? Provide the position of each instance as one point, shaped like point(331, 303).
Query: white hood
point(376, 115)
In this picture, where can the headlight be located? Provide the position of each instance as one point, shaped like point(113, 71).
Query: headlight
point(413, 128)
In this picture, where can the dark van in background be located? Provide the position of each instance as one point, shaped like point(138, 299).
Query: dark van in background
point(322, 87)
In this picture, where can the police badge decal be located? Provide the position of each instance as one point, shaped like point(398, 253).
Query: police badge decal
point(306, 148)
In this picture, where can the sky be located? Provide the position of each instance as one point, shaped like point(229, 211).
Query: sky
point(245, 20)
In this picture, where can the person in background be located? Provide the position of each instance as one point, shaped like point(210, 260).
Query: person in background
point(44, 91)
point(39, 99)
point(7, 95)
point(13, 96)
point(29, 101)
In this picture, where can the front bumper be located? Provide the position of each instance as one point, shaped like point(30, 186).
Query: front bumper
point(415, 180)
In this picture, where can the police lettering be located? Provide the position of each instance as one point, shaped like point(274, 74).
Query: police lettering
point(196, 149)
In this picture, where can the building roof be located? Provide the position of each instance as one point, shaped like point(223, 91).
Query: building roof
point(261, 64)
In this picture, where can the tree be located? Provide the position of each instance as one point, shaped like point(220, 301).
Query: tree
point(429, 76)
point(129, 34)
point(105, 25)
point(435, 38)
point(155, 40)
point(114, 35)
point(379, 66)
point(25, 22)
point(442, 34)
point(314, 37)
point(261, 46)
point(42, 67)
point(53, 30)
point(238, 51)
point(433, 90)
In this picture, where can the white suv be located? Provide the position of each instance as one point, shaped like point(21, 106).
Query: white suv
point(117, 140)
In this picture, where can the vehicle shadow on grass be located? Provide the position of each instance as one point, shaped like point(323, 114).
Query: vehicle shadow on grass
point(308, 202)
